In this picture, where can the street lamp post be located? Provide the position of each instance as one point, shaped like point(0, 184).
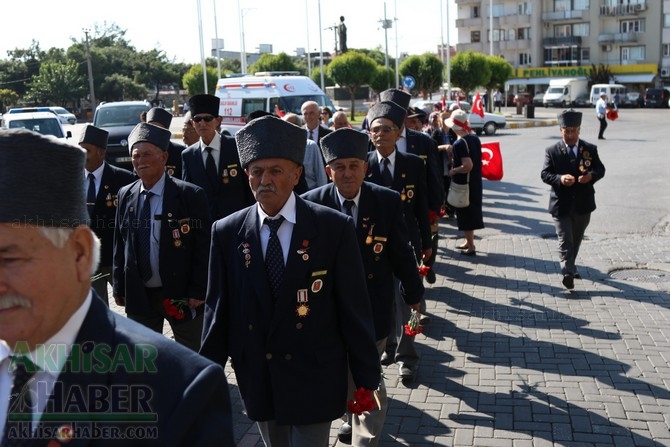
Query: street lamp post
point(386, 24)
point(90, 72)
point(216, 39)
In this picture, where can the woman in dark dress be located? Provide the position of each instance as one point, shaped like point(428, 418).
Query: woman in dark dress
point(467, 152)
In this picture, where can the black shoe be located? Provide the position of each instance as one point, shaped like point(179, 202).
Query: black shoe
point(387, 358)
point(406, 373)
point(344, 433)
point(424, 320)
point(430, 276)
point(577, 276)
point(601, 138)
point(469, 253)
point(568, 281)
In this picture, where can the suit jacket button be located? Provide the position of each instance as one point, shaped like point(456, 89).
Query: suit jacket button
point(288, 357)
point(298, 326)
point(251, 327)
point(376, 258)
point(370, 276)
point(268, 356)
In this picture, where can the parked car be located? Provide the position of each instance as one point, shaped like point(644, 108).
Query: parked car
point(45, 123)
point(64, 116)
point(464, 105)
point(487, 125)
point(537, 99)
point(632, 99)
point(582, 100)
point(657, 97)
point(524, 97)
point(119, 119)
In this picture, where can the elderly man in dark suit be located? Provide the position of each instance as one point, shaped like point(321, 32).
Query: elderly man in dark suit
point(406, 174)
point(213, 163)
point(74, 370)
point(384, 245)
point(162, 118)
point(102, 182)
point(418, 143)
point(287, 299)
point(311, 114)
point(571, 167)
point(161, 244)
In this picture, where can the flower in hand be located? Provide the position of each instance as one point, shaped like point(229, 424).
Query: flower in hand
point(175, 308)
point(413, 327)
point(424, 269)
point(362, 401)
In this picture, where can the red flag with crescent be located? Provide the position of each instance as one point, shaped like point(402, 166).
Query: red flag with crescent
point(477, 108)
point(492, 163)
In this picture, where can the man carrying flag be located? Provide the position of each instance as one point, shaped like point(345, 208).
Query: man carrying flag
point(477, 106)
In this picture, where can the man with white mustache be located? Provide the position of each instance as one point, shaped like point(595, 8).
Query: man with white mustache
point(57, 337)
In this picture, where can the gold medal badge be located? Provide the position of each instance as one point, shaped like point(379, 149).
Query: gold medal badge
point(368, 239)
point(177, 238)
point(302, 310)
point(108, 201)
point(303, 250)
point(224, 176)
point(302, 298)
point(403, 196)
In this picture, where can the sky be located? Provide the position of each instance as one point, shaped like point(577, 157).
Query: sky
point(172, 26)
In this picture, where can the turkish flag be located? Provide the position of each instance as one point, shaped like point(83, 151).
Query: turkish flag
point(492, 163)
point(477, 106)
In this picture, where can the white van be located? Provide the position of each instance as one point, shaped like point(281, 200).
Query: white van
point(608, 89)
point(268, 91)
point(46, 123)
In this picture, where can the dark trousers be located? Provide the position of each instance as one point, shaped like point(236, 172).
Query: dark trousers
point(603, 126)
point(570, 230)
point(187, 333)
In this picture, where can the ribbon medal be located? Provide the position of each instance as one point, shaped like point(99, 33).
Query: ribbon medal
point(224, 175)
point(303, 251)
point(177, 238)
point(302, 309)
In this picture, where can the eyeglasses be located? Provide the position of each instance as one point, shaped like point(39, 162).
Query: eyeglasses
point(382, 128)
point(207, 119)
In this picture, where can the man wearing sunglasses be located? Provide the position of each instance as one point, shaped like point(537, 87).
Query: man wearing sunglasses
point(213, 163)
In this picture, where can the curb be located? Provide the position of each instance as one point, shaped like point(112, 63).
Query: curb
point(543, 123)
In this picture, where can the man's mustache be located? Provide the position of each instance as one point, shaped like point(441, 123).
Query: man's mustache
point(8, 301)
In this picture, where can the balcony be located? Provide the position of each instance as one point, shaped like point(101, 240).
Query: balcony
point(623, 10)
point(556, 16)
point(561, 41)
point(514, 20)
point(464, 2)
point(466, 23)
point(610, 38)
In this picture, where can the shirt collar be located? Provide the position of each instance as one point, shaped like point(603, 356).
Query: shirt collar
point(157, 189)
point(215, 144)
point(342, 198)
point(391, 157)
point(97, 172)
point(287, 211)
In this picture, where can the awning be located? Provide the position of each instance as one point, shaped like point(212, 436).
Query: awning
point(529, 81)
point(635, 79)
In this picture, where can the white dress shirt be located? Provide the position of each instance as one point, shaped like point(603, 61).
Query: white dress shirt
point(354, 209)
point(285, 230)
point(98, 178)
point(215, 144)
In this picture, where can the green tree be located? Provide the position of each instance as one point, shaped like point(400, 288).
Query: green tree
point(600, 74)
point(501, 71)
point(352, 70)
point(7, 98)
point(118, 87)
point(273, 62)
point(377, 54)
point(22, 65)
point(193, 82)
point(57, 83)
point(470, 70)
point(231, 65)
point(152, 69)
point(382, 79)
point(426, 71)
point(316, 77)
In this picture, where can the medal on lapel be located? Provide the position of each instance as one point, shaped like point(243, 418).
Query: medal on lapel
point(176, 236)
point(368, 239)
point(224, 176)
point(108, 200)
point(302, 308)
point(403, 195)
point(303, 251)
point(247, 254)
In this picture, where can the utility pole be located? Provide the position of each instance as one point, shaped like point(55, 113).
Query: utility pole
point(90, 72)
point(386, 24)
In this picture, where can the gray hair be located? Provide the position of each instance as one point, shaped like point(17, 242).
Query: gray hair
point(59, 236)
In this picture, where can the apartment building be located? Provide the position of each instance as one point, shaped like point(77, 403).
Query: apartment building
point(551, 39)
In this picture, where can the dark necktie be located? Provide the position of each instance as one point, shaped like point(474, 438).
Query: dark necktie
point(387, 177)
point(90, 195)
point(144, 252)
point(348, 208)
point(20, 407)
point(311, 135)
point(274, 256)
point(210, 168)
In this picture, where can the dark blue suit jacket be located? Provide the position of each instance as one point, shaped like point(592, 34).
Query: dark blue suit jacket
point(173, 165)
point(409, 179)
point(104, 213)
point(183, 268)
point(291, 366)
point(232, 193)
point(187, 394)
point(385, 248)
point(556, 163)
point(420, 144)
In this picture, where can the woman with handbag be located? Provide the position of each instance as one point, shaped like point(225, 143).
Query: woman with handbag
point(465, 192)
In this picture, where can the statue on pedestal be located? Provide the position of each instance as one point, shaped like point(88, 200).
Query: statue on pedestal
point(342, 31)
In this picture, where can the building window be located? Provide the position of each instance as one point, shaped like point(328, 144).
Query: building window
point(585, 55)
point(475, 12)
point(632, 54)
point(562, 5)
point(666, 20)
point(562, 31)
point(525, 8)
point(581, 29)
point(475, 36)
point(581, 5)
point(499, 34)
point(524, 59)
point(511, 35)
point(666, 49)
point(498, 11)
point(523, 33)
point(631, 26)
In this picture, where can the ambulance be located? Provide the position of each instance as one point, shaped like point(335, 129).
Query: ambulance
point(272, 91)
